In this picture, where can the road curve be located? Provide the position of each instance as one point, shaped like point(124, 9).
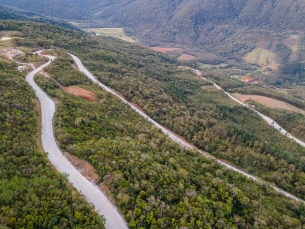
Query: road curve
point(94, 196)
point(266, 118)
point(169, 133)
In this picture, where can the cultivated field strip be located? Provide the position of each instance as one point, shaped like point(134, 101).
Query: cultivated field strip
point(174, 137)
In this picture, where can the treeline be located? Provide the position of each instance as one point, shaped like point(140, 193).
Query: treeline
point(155, 182)
point(32, 193)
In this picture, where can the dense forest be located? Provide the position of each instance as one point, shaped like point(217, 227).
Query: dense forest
point(163, 185)
point(204, 117)
point(32, 193)
point(107, 134)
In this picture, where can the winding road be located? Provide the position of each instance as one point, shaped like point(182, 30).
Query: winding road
point(93, 195)
point(176, 138)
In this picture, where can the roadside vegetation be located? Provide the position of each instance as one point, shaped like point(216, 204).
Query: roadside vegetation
point(32, 193)
point(137, 162)
point(155, 182)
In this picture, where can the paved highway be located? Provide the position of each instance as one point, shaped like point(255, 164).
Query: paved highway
point(170, 134)
point(113, 219)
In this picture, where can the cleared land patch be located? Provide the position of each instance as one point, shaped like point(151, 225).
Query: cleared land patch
point(186, 57)
point(269, 102)
point(113, 32)
point(262, 57)
point(165, 50)
point(91, 97)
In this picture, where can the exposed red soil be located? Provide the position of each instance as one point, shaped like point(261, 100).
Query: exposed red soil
point(196, 77)
point(107, 192)
point(75, 67)
point(247, 79)
point(84, 167)
point(91, 97)
point(135, 105)
point(37, 65)
point(116, 92)
point(44, 52)
point(164, 50)
point(186, 57)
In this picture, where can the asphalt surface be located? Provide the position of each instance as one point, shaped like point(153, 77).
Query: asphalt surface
point(174, 137)
point(93, 195)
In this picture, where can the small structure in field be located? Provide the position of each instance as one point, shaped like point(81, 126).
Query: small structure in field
point(247, 79)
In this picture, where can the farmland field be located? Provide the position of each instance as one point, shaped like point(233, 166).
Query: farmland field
point(269, 102)
point(262, 57)
point(114, 32)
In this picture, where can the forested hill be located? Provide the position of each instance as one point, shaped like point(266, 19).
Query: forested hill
point(155, 182)
point(6, 15)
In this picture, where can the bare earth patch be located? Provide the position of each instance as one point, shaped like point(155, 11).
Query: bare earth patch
point(269, 102)
point(75, 67)
point(91, 97)
point(164, 50)
point(186, 57)
point(84, 167)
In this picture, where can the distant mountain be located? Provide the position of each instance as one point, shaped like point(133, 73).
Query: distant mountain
point(66, 9)
point(229, 28)
point(5, 15)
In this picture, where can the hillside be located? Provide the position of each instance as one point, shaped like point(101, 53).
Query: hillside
point(154, 181)
point(32, 193)
point(8, 15)
point(205, 25)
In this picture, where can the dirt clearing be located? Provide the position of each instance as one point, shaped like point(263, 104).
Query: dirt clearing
point(91, 97)
point(165, 50)
point(272, 103)
point(186, 57)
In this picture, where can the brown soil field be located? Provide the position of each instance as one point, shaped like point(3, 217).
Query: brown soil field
point(164, 50)
point(91, 97)
point(186, 57)
point(269, 102)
